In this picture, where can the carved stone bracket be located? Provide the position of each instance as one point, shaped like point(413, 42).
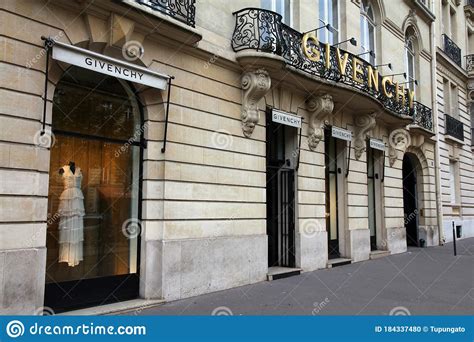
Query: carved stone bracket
point(255, 85)
point(319, 108)
point(364, 123)
point(398, 140)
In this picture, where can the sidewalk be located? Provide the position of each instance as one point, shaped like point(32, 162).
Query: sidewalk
point(423, 281)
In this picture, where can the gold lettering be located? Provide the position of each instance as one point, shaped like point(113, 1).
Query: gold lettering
point(342, 62)
point(385, 80)
point(400, 92)
point(328, 56)
point(373, 78)
point(411, 98)
point(313, 54)
point(357, 70)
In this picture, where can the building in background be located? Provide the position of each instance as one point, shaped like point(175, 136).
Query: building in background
point(454, 43)
point(217, 144)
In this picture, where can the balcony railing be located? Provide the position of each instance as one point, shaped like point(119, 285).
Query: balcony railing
point(261, 30)
point(470, 61)
point(422, 116)
point(181, 10)
point(452, 50)
point(454, 127)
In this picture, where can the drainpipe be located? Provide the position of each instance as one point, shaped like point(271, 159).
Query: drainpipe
point(439, 204)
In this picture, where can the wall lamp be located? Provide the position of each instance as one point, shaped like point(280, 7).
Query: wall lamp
point(353, 41)
point(389, 65)
point(327, 27)
point(371, 53)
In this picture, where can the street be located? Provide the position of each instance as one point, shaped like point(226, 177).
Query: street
point(423, 281)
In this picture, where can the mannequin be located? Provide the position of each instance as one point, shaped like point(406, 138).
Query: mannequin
point(71, 213)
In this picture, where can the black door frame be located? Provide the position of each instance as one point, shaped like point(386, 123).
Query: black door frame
point(280, 194)
point(333, 244)
point(410, 200)
point(83, 293)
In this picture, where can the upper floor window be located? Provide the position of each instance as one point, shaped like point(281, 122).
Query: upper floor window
point(451, 98)
point(367, 31)
point(282, 7)
point(329, 14)
point(410, 62)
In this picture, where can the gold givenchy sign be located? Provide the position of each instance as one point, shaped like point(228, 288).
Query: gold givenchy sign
point(384, 84)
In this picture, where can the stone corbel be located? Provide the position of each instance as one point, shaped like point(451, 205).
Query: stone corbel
point(398, 140)
point(319, 108)
point(255, 85)
point(364, 123)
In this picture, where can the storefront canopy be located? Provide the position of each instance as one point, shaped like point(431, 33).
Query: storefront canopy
point(107, 65)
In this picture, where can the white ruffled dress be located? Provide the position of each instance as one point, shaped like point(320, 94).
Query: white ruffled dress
point(71, 222)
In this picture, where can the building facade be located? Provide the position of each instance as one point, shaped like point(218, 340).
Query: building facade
point(166, 149)
point(454, 29)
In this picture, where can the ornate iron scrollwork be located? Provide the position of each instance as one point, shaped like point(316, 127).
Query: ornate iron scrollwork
point(263, 30)
point(452, 50)
point(454, 127)
point(422, 116)
point(182, 10)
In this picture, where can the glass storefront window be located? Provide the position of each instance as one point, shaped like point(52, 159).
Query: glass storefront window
point(96, 122)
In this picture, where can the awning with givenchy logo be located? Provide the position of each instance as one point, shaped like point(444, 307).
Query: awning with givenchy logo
point(107, 65)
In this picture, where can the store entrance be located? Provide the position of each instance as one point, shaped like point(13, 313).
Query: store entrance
point(375, 198)
point(281, 163)
point(410, 199)
point(335, 159)
point(94, 193)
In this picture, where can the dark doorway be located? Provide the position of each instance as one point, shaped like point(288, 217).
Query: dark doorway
point(410, 199)
point(374, 187)
point(334, 172)
point(280, 194)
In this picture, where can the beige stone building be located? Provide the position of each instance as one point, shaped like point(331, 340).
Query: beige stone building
point(454, 44)
point(166, 149)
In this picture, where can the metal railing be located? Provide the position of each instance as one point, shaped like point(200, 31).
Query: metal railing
point(182, 10)
point(451, 49)
point(422, 116)
point(454, 127)
point(262, 30)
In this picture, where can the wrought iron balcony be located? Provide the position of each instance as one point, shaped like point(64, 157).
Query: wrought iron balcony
point(470, 61)
point(181, 10)
point(454, 127)
point(422, 116)
point(263, 31)
point(452, 50)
